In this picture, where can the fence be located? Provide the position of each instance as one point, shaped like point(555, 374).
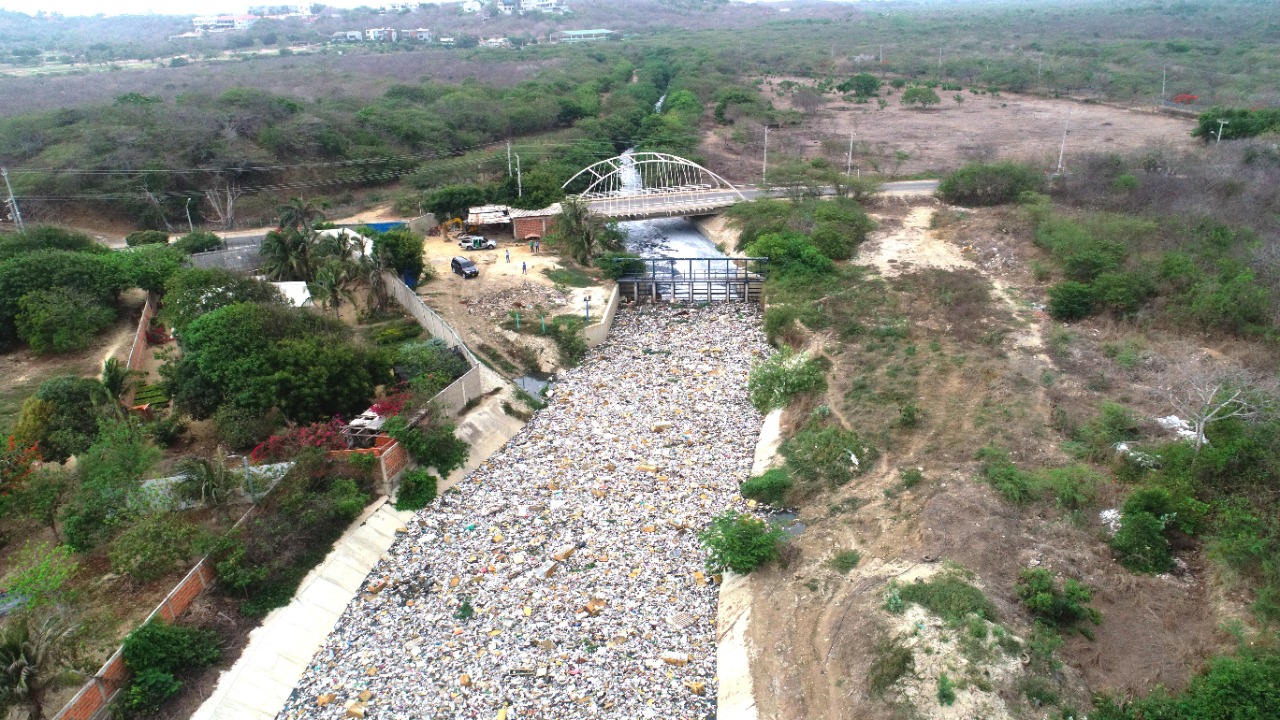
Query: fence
point(138, 353)
point(243, 258)
point(599, 332)
point(426, 317)
point(96, 694)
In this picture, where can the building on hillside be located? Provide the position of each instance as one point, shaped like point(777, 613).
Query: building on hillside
point(223, 23)
point(394, 8)
point(347, 36)
point(546, 6)
point(496, 43)
point(448, 41)
point(506, 7)
point(382, 35)
point(581, 36)
point(419, 34)
point(472, 6)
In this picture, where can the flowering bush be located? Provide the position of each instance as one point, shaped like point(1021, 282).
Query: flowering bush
point(326, 436)
point(1185, 99)
point(16, 462)
point(391, 405)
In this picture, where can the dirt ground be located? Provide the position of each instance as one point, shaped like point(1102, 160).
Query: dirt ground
point(815, 632)
point(983, 127)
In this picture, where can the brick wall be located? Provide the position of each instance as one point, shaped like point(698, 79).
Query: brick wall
point(97, 693)
point(535, 226)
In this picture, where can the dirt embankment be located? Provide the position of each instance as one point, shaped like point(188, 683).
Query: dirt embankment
point(818, 637)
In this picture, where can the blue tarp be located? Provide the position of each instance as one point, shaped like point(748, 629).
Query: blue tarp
point(385, 226)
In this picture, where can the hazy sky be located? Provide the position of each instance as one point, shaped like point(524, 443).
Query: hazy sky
point(190, 7)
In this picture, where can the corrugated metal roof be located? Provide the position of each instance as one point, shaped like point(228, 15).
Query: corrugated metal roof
point(546, 211)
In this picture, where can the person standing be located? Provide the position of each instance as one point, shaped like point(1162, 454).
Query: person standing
point(537, 247)
point(508, 254)
point(530, 246)
point(524, 268)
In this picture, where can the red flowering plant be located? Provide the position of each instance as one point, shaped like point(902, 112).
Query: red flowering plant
point(1185, 98)
point(325, 435)
point(393, 404)
point(16, 464)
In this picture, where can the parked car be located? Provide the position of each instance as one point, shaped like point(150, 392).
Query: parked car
point(464, 267)
point(476, 242)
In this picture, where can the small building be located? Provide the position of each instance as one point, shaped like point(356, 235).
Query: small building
point(472, 6)
point(546, 6)
point(488, 215)
point(347, 36)
point(223, 23)
point(448, 41)
point(382, 35)
point(419, 34)
point(528, 224)
point(496, 43)
point(582, 36)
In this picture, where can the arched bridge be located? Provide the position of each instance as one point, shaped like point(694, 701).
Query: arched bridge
point(639, 185)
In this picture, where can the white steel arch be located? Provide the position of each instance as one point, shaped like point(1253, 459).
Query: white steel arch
point(637, 184)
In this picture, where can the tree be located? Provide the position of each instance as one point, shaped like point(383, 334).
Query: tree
point(62, 416)
point(452, 201)
point(922, 96)
point(32, 655)
point(333, 284)
point(60, 320)
point(111, 473)
point(808, 100)
point(117, 380)
point(863, 85)
point(198, 241)
point(41, 572)
point(208, 481)
point(151, 266)
point(299, 214)
point(146, 237)
point(1203, 391)
point(192, 292)
point(287, 254)
point(583, 233)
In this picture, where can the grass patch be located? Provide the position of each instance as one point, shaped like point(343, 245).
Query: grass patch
point(571, 276)
point(891, 660)
point(771, 488)
point(950, 597)
point(846, 561)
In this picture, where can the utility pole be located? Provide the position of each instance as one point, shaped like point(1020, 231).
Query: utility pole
point(848, 161)
point(1062, 150)
point(16, 214)
point(1221, 124)
point(764, 168)
point(519, 179)
point(508, 158)
point(1164, 83)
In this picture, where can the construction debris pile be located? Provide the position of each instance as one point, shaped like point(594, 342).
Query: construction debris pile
point(564, 578)
point(527, 295)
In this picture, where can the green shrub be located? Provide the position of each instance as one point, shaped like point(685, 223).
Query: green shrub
point(433, 446)
point(1014, 485)
point(950, 597)
point(61, 320)
point(946, 690)
point(198, 241)
point(770, 488)
point(979, 184)
point(147, 691)
point(824, 454)
point(1243, 686)
point(739, 542)
point(1074, 487)
point(1140, 544)
point(791, 253)
point(891, 660)
point(242, 428)
point(1070, 300)
point(152, 547)
point(846, 560)
point(1056, 606)
point(781, 377)
point(158, 645)
point(397, 332)
point(614, 265)
point(417, 490)
point(911, 477)
point(1115, 423)
point(146, 237)
point(431, 364)
point(40, 574)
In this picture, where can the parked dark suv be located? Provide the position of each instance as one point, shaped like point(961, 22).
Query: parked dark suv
point(464, 267)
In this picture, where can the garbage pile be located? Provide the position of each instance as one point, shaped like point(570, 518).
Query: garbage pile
point(563, 578)
point(525, 295)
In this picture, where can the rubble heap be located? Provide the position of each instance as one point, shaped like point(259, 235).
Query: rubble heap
point(527, 295)
point(563, 578)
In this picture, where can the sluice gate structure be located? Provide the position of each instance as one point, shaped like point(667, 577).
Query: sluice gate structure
point(693, 280)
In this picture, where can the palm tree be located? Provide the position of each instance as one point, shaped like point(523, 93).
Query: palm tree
point(118, 379)
point(299, 214)
point(286, 254)
point(31, 658)
point(584, 233)
point(333, 283)
point(208, 481)
point(374, 267)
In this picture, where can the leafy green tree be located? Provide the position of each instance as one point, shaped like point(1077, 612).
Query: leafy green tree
point(583, 233)
point(60, 320)
point(62, 416)
point(922, 96)
point(739, 542)
point(150, 267)
point(117, 379)
point(401, 248)
point(111, 473)
point(45, 237)
point(41, 573)
point(100, 277)
point(863, 85)
point(43, 495)
point(452, 201)
point(192, 292)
